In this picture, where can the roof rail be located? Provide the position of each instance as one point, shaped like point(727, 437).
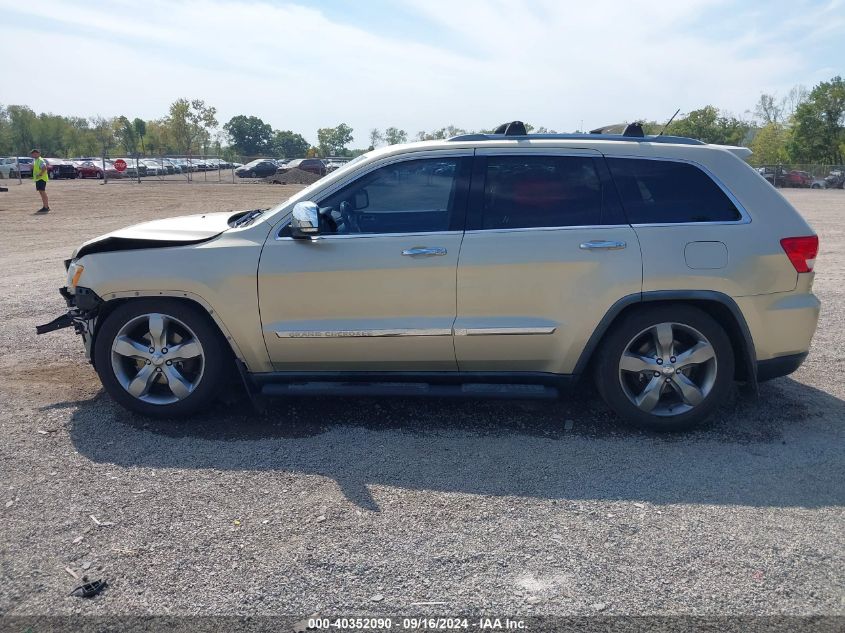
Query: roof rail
point(515, 130)
point(676, 140)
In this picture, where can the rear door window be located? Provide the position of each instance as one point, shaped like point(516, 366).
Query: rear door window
point(535, 191)
point(669, 192)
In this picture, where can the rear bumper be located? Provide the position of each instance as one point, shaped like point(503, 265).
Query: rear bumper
point(777, 367)
point(782, 324)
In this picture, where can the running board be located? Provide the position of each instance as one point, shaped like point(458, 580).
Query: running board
point(358, 389)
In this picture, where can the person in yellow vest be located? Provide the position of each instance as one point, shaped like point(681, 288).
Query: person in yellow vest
point(39, 175)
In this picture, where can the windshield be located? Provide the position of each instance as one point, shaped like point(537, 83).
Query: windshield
point(305, 193)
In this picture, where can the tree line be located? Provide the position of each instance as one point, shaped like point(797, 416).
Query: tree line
point(803, 126)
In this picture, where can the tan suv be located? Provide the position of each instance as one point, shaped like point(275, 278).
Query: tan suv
point(485, 266)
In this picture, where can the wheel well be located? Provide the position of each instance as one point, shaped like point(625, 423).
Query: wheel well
point(110, 306)
point(744, 369)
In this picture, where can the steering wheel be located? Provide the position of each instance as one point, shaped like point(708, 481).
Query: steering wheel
point(328, 220)
point(347, 216)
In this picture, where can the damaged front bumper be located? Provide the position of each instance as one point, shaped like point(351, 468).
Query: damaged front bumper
point(84, 306)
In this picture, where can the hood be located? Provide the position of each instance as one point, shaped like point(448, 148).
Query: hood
point(181, 231)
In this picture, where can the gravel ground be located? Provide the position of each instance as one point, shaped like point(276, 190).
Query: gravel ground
point(376, 506)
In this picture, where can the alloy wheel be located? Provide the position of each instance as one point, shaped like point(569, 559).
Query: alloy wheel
point(157, 359)
point(668, 369)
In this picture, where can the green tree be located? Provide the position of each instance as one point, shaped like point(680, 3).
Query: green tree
point(103, 130)
point(22, 121)
point(48, 132)
point(158, 138)
point(710, 125)
point(819, 124)
point(445, 132)
point(78, 137)
point(770, 145)
point(250, 136)
point(140, 128)
point(332, 141)
point(189, 121)
point(768, 110)
point(376, 137)
point(287, 144)
point(5, 132)
point(126, 135)
point(394, 136)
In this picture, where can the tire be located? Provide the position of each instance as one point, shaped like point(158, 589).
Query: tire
point(123, 361)
point(630, 370)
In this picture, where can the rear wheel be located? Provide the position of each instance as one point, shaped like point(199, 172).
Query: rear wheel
point(665, 368)
point(161, 358)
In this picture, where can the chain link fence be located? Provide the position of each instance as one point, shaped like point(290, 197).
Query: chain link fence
point(804, 176)
point(197, 168)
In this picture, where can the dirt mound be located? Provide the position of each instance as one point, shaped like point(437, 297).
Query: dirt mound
point(294, 176)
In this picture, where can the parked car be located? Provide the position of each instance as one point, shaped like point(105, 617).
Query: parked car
point(818, 183)
point(663, 275)
point(257, 169)
point(172, 164)
point(59, 168)
point(88, 169)
point(11, 167)
point(334, 163)
point(154, 168)
point(835, 180)
point(796, 178)
point(311, 165)
point(95, 169)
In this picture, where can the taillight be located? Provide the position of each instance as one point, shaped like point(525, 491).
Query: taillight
point(801, 251)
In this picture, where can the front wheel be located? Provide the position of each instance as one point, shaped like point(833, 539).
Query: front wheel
point(161, 358)
point(665, 368)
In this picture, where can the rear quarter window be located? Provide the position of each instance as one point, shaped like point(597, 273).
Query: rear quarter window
point(668, 192)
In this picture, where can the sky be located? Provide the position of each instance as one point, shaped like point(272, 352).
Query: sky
point(415, 64)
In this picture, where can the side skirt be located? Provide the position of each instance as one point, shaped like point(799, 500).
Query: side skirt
point(495, 385)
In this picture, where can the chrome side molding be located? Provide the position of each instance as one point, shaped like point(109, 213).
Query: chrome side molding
point(504, 331)
point(363, 333)
point(483, 331)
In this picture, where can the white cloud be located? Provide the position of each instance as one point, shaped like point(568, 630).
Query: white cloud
point(548, 62)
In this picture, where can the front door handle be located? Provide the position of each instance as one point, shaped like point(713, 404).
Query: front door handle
point(602, 245)
point(423, 251)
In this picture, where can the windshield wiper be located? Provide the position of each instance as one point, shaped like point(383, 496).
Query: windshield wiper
point(248, 217)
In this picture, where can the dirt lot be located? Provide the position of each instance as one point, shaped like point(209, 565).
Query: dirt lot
point(382, 506)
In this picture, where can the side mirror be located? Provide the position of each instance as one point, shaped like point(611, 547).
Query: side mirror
point(362, 199)
point(306, 220)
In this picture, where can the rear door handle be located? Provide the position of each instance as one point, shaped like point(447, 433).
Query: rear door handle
point(602, 245)
point(423, 251)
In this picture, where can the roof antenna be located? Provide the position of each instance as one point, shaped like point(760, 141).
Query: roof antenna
point(669, 121)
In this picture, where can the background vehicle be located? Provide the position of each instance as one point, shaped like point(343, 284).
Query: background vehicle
point(818, 183)
point(796, 178)
point(835, 180)
point(60, 168)
point(95, 169)
point(334, 163)
point(311, 165)
point(257, 169)
point(10, 166)
point(471, 266)
point(154, 168)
